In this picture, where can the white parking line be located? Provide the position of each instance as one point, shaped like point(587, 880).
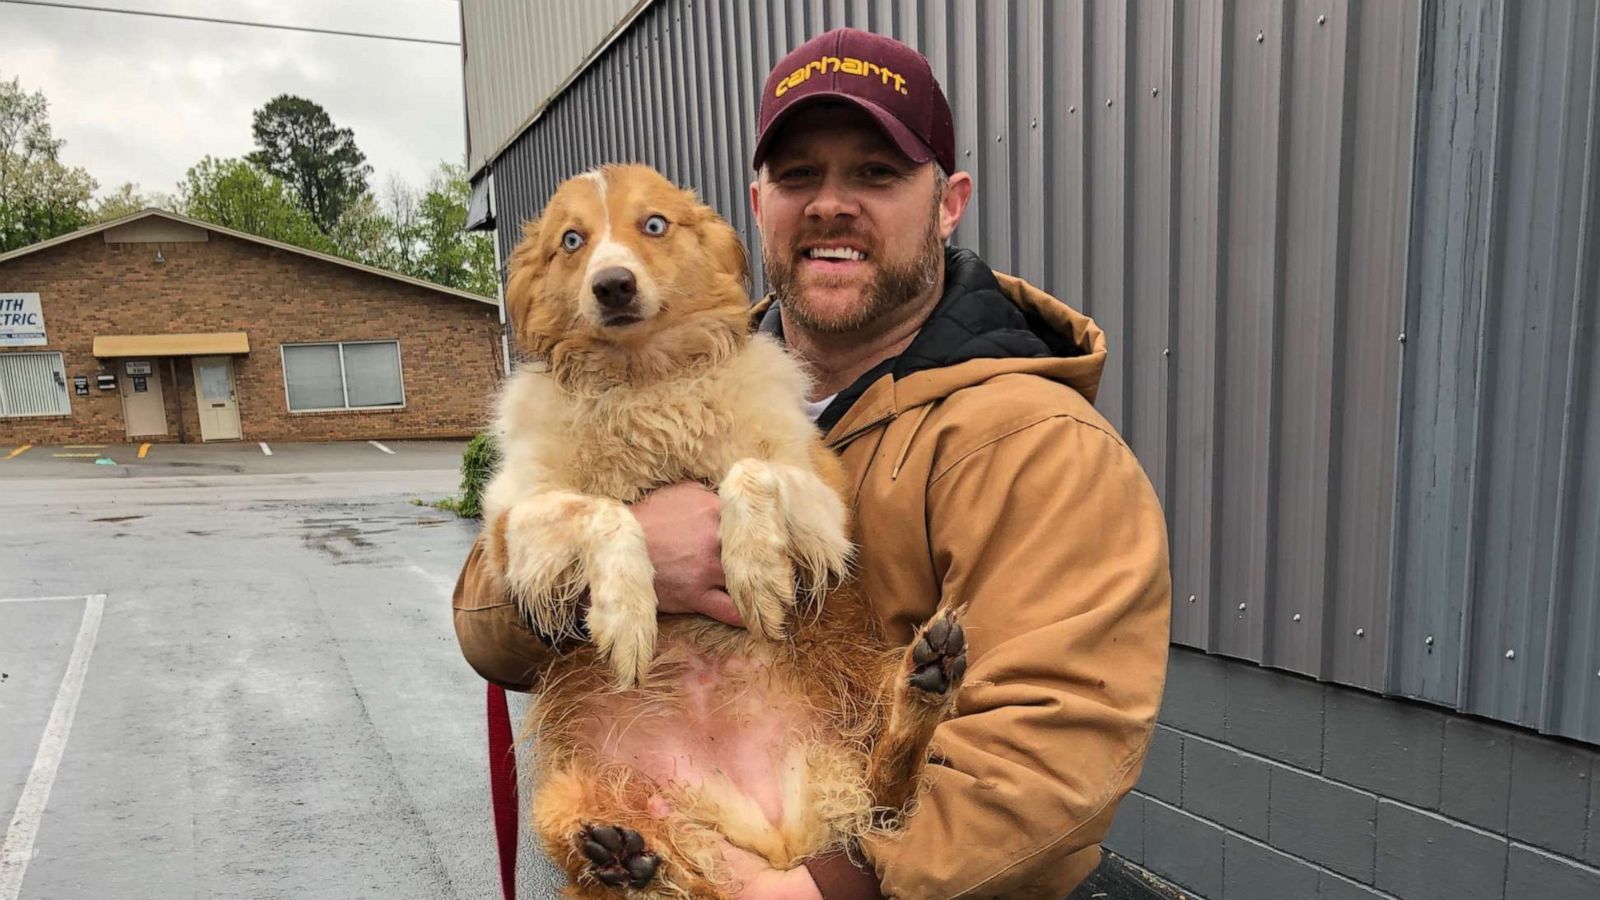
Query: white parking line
point(17, 850)
point(39, 599)
point(265, 450)
point(381, 447)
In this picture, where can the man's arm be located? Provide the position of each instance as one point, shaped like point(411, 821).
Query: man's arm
point(680, 529)
point(1053, 538)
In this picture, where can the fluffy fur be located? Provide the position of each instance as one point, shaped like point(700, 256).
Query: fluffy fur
point(786, 737)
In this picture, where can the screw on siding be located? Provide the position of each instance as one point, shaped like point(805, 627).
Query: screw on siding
point(1428, 640)
point(969, 151)
point(1261, 37)
point(1361, 632)
point(1511, 654)
point(1297, 617)
point(1191, 598)
point(1108, 103)
point(1166, 351)
point(1033, 123)
point(1155, 92)
point(1402, 337)
point(997, 138)
point(1241, 607)
point(1322, 20)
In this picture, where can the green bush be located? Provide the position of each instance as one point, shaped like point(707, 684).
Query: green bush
point(478, 465)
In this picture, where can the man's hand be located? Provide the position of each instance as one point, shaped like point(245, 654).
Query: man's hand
point(680, 524)
point(758, 880)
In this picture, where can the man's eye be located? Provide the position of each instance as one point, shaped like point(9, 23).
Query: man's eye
point(571, 241)
point(880, 172)
point(797, 173)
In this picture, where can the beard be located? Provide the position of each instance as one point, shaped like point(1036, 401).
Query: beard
point(894, 284)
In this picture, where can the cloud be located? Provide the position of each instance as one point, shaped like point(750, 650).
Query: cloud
point(142, 99)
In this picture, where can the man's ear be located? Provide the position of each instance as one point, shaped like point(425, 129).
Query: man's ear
point(957, 193)
point(755, 201)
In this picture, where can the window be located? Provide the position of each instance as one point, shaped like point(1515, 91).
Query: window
point(350, 375)
point(33, 384)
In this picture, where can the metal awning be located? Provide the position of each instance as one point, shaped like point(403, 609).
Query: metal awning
point(480, 212)
point(219, 342)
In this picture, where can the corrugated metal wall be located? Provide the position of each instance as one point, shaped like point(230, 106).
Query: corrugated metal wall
point(516, 55)
point(1345, 255)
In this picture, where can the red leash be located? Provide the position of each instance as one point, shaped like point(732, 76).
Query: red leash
point(503, 789)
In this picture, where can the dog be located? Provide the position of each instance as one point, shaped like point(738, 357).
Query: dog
point(793, 736)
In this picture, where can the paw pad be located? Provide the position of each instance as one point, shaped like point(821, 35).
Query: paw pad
point(617, 857)
point(939, 656)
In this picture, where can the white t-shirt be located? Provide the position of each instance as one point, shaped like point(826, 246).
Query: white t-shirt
point(815, 409)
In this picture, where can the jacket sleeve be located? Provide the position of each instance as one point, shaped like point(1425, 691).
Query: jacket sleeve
point(1053, 539)
point(493, 636)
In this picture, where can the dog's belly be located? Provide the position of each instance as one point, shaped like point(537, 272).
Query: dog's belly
point(722, 727)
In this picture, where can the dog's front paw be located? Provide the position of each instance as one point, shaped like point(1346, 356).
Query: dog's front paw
point(622, 596)
point(819, 540)
point(755, 559)
point(540, 562)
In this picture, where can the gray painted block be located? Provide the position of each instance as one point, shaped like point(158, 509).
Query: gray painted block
point(1252, 871)
point(1274, 714)
point(1327, 823)
point(1226, 786)
point(1535, 873)
point(1162, 777)
point(1549, 794)
point(1126, 837)
point(1423, 856)
point(1476, 786)
point(1333, 887)
point(1391, 748)
point(1193, 701)
point(1592, 853)
point(1184, 849)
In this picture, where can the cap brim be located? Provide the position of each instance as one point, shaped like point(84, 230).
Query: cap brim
point(896, 131)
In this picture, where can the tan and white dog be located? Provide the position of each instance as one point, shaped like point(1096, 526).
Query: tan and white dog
point(789, 738)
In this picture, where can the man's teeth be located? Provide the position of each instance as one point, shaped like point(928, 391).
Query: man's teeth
point(835, 253)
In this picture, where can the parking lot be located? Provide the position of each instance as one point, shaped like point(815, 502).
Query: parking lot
point(225, 673)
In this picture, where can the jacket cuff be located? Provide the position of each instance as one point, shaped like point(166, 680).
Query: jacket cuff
point(838, 878)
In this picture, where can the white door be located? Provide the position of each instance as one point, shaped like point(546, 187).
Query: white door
point(143, 408)
point(214, 397)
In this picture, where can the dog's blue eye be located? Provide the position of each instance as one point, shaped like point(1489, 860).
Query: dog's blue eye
point(655, 225)
point(571, 241)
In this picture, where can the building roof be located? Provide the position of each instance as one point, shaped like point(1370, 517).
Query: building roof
point(243, 236)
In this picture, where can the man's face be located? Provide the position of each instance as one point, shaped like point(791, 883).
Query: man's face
point(851, 229)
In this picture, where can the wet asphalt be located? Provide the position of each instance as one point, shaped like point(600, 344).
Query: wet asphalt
point(274, 704)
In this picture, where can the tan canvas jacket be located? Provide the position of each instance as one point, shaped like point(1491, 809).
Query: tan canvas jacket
point(994, 483)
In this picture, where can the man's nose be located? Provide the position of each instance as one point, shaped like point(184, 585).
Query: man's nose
point(832, 200)
point(615, 287)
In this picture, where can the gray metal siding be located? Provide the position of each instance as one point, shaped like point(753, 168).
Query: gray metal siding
point(516, 55)
point(1255, 199)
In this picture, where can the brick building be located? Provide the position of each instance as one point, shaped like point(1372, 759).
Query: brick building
point(157, 327)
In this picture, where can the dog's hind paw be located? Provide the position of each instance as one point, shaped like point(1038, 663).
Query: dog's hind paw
point(617, 856)
point(939, 657)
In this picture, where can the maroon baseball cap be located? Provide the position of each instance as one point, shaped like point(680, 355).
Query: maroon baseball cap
point(890, 81)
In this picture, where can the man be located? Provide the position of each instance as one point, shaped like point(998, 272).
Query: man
point(960, 402)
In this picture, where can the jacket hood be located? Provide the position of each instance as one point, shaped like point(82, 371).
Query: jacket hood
point(985, 325)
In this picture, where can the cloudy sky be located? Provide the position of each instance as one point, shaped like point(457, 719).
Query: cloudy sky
point(142, 99)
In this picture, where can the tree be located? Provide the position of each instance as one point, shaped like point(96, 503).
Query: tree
point(300, 145)
point(40, 197)
point(235, 194)
point(446, 253)
point(127, 200)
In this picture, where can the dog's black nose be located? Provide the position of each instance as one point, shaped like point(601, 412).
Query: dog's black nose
point(615, 287)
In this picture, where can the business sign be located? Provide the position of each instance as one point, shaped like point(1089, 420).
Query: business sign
point(21, 321)
point(137, 368)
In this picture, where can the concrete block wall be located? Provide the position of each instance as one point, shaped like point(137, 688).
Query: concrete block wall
point(1261, 784)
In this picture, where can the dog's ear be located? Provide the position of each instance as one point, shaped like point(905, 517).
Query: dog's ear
point(524, 274)
point(725, 247)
